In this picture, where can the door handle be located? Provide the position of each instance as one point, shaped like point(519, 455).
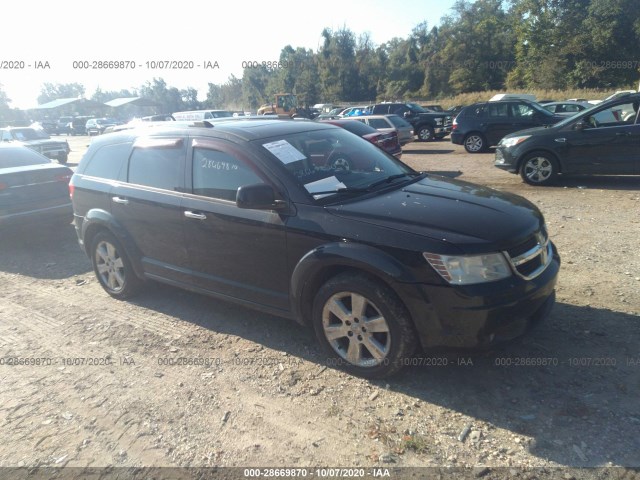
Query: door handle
point(560, 140)
point(622, 134)
point(197, 216)
point(120, 200)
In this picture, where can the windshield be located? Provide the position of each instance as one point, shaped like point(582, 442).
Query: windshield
point(334, 162)
point(25, 134)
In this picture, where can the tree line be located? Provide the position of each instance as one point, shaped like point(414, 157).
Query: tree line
point(482, 45)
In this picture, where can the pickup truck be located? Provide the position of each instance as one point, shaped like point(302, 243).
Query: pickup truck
point(38, 140)
point(427, 125)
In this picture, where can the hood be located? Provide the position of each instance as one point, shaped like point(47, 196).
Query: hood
point(472, 217)
point(534, 130)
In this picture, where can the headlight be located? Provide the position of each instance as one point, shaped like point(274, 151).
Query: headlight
point(513, 141)
point(438, 121)
point(465, 270)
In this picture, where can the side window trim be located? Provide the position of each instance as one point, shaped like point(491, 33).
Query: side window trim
point(158, 143)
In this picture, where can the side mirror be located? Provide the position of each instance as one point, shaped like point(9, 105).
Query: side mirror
point(258, 197)
point(581, 125)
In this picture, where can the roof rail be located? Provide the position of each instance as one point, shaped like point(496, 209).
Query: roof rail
point(202, 123)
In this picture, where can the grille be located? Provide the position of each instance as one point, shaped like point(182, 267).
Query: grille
point(531, 257)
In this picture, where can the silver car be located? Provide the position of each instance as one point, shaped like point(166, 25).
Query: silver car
point(389, 123)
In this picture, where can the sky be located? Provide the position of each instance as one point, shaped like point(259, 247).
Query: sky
point(51, 42)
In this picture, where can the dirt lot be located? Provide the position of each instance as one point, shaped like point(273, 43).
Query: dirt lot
point(105, 387)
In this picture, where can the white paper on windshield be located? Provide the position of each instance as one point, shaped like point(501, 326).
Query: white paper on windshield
point(324, 185)
point(284, 151)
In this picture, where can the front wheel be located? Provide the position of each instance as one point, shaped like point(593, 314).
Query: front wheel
point(63, 160)
point(425, 134)
point(363, 326)
point(539, 168)
point(113, 267)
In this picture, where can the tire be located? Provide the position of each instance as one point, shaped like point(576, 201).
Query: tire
point(63, 160)
point(341, 162)
point(349, 338)
point(475, 143)
point(425, 134)
point(112, 267)
point(539, 168)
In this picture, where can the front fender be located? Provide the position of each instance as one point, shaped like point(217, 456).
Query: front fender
point(326, 261)
point(97, 220)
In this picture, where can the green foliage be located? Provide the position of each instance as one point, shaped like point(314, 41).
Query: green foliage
point(54, 91)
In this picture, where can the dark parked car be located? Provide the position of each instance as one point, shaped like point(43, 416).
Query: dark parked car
point(380, 259)
point(604, 139)
point(482, 125)
point(97, 126)
point(427, 125)
point(32, 188)
point(388, 141)
point(37, 140)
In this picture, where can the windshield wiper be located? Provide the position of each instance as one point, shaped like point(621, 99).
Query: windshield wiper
point(341, 190)
point(391, 178)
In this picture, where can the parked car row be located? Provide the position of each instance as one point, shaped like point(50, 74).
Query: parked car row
point(603, 140)
point(540, 142)
point(427, 125)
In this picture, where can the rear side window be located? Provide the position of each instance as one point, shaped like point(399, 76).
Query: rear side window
point(359, 128)
point(498, 110)
point(107, 161)
point(158, 163)
point(219, 175)
point(379, 123)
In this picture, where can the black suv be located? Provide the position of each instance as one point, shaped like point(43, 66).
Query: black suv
point(379, 259)
point(604, 139)
point(482, 125)
point(427, 125)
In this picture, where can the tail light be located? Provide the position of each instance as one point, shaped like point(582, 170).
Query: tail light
point(71, 188)
point(3, 186)
point(454, 126)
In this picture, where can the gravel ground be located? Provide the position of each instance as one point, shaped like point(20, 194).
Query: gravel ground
point(173, 379)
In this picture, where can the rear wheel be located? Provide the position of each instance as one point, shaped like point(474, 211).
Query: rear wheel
point(363, 326)
point(539, 168)
point(113, 267)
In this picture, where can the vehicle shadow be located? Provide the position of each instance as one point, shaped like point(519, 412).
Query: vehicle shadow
point(604, 182)
point(570, 388)
point(429, 151)
point(42, 251)
point(558, 390)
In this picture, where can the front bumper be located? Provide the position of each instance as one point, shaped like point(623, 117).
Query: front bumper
point(505, 160)
point(481, 316)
